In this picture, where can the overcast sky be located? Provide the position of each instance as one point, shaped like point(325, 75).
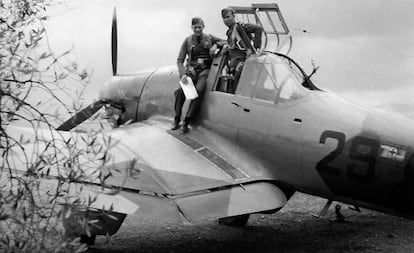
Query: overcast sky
point(365, 49)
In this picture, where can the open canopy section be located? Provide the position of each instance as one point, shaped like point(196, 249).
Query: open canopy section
point(276, 32)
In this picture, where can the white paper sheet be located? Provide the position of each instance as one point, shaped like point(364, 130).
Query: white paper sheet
point(189, 89)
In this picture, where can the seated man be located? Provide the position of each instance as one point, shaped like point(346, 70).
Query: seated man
point(196, 48)
point(238, 52)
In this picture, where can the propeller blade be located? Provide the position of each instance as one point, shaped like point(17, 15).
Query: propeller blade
point(81, 116)
point(114, 44)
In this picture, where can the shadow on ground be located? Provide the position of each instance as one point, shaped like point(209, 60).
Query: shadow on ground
point(293, 229)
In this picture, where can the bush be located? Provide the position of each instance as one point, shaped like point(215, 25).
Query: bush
point(40, 166)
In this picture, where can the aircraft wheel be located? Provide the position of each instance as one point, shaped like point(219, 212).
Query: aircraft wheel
point(235, 221)
point(89, 240)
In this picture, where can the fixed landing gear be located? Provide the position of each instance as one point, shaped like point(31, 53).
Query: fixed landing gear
point(235, 221)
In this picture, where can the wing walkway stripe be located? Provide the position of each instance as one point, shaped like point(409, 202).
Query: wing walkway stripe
point(209, 155)
point(185, 139)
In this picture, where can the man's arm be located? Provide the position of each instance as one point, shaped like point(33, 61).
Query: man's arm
point(181, 58)
point(216, 40)
point(257, 31)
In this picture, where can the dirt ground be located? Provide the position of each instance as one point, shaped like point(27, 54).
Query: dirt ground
point(293, 229)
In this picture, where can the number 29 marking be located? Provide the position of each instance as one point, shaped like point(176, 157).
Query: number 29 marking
point(363, 150)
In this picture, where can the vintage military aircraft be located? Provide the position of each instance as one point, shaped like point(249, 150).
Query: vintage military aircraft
point(249, 151)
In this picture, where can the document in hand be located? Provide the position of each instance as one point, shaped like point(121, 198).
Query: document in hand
point(189, 90)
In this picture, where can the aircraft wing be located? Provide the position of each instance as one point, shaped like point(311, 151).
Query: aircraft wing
point(32, 143)
point(179, 178)
point(170, 176)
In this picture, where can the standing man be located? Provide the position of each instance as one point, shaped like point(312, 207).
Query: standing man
point(195, 50)
point(238, 51)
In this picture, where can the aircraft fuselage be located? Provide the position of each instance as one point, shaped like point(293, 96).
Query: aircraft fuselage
point(309, 140)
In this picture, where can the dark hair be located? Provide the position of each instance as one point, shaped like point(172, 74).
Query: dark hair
point(197, 20)
point(227, 10)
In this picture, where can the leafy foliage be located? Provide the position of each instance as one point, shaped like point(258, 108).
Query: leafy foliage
point(40, 167)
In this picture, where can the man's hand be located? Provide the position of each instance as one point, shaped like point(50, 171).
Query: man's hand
point(249, 52)
point(225, 48)
point(214, 50)
point(184, 79)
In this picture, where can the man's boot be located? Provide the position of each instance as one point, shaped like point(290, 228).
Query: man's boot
point(176, 123)
point(184, 128)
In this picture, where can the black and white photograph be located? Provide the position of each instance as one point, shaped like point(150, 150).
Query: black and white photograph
point(206, 126)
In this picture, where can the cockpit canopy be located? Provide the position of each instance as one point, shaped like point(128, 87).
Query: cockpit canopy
point(272, 78)
point(276, 32)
